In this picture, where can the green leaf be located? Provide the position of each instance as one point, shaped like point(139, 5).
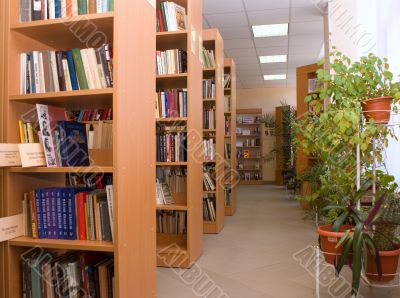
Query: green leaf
point(343, 239)
point(339, 221)
point(344, 255)
point(357, 257)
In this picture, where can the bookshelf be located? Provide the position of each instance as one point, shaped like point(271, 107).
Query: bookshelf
point(212, 41)
point(181, 250)
point(230, 139)
point(249, 146)
point(134, 245)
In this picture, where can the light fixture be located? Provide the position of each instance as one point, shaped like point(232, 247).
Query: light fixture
point(271, 30)
point(275, 77)
point(273, 59)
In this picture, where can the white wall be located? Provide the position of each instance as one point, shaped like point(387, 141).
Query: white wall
point(267, 99)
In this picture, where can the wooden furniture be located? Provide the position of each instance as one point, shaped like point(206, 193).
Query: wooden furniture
point(230, 139)
point(130, 28)
point(181, 250)
point(304, 74)
point(2, 94)
point(249, 145)
point(213, 41)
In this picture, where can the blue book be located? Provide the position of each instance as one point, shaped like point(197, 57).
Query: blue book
point(43, 207)
point(47, 219)
point(59, 216)
point(166, 104)
point(65, 213)
point(73, 144)
point(38, 203)
point(53, 213)
point(57, 5)
point(184, 103)
point(106, 6)
point(72, 71)
point(32, 71)
point(70, 193)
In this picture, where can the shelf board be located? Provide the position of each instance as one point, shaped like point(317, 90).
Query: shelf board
point(65, 32)
point(208, 99)
point(79, 98)
point(227, 137)
point(63, 244)
point(178, 163)
point(227, 113)
point(210, 69)
point(94, 169)
point(209, 130)
point(249, 170)
point(169, 34)
point(179, 119)
point(249, 136)
point(249, 147)
point(171, 76)
point(179, 207)
point(171, 39)
point(240, 124)
point(227, 89)
point(209, 192)
point(209, 161)
point(210, 222)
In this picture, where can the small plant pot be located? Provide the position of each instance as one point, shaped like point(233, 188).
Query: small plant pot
point(389, 260)
point(328, 241)
point(378, 109)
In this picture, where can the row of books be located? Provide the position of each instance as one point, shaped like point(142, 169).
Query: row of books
point(175, 177)
point(90, 115)
point(208, 58)
point(89, 180)
point(171, 222)
point(209, 149)
point(72, 274)
point(163, 193)
point(209, 117)
point(248, 119)
point(209, 209)
point(249, 176)
point(227, 81)
point(171, 103)
point(69, 213)
point(170, 17)
point(171, 147)
point(227, 196)
point(34, 10)
point(227, 104)
point(228, 125)
point(26, 132)
point(209, 179)
point(77, 69)
point(227, 151)
point(209, 89)
point(248, 143)
point(99, 135)
point(256, 131)
point(171, 62)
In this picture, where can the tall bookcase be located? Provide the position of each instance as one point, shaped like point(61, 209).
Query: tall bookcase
point(181, 250)
point(249, 146)
point(230, 138)
point(213, 41)
point(130, 28)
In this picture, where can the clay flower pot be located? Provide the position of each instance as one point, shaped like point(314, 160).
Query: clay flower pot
point(378, 109)
point(389, 260)
point(328, 241)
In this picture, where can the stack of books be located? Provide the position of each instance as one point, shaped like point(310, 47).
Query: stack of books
point(209, 209)
point(209, 117)
point(209, 149)
point(170, 17)
point(171, 103)
point(171, 62)
point(77, 69)
point(175, 177)
point(99, 135)
point(209, 179)
point(171, 222)
point(163, 193)
point(72, 274)
point(208, 58)
point(70, 213)
point(209, 89)
point(90, 114)
point(34, 10)
point(171, 146)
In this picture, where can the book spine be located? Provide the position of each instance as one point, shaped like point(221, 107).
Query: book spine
point(57, 9)
point(79, 68)
point(108, 55)
point(45, 214)
point(86, 68)
point(46, 73)
point(54, 72)
point(67, 77)
point(81, 198)
point(92, 6)
point(41, 73)
point(110, 204)
point(31, 138)
point(59, 213)
point(72, 71)
point(60, 71)
point(35, 73)
point(37, 10)
point(64, 214)
point(99, 7)
point(33, 210)
point(39, 215)
point(72, 214)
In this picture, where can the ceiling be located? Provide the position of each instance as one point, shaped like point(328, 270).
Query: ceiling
point(234, 19)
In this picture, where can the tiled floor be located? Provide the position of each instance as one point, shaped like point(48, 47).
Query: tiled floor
point(263, 251)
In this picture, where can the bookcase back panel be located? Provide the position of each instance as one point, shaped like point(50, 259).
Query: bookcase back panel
point(172, 82)
point(172, 41)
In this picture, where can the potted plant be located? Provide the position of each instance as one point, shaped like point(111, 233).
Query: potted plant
point(269, 123)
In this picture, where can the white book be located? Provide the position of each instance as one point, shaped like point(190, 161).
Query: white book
point(94, 68)
point(52, 9)
point(172, 17)
point(105, 5)
point(99, 6)
point(63, 8)
point(53, 63)
point(110, 203)
point(41, 74)
point(36, 79)
point(22, 78)
point(86, 67)
point(164, 114)
point(46, 16)
point(68, 84)
point(180, 94)
point(75, 8)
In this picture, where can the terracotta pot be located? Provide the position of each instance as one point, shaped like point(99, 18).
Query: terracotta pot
point(328, 241)
point(389, 260)
point(378, 109)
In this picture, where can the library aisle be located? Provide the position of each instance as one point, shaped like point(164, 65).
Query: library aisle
point(259, 254)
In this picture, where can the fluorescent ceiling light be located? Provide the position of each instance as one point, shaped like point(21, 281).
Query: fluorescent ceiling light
point(275, 77)
point(273, 59)
point(271, 30)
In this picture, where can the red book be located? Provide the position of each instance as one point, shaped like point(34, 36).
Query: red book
point(160, 18)
point(69, 8)
point(80, 214)
point(34, 223)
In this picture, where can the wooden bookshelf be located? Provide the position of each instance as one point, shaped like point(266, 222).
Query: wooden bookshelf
point(212, 40)
point(230, 164)
point(130, 29)
point(251, 143)
point(181, 250)
point(3, 20)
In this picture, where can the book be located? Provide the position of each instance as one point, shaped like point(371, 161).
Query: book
point(209, 117)
point(171, 146)
point(170, 17)
point(171, 222)
point(209, 209)
point(172, 103)
point(208, 58)
point(209, 89)
point(172, 61)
